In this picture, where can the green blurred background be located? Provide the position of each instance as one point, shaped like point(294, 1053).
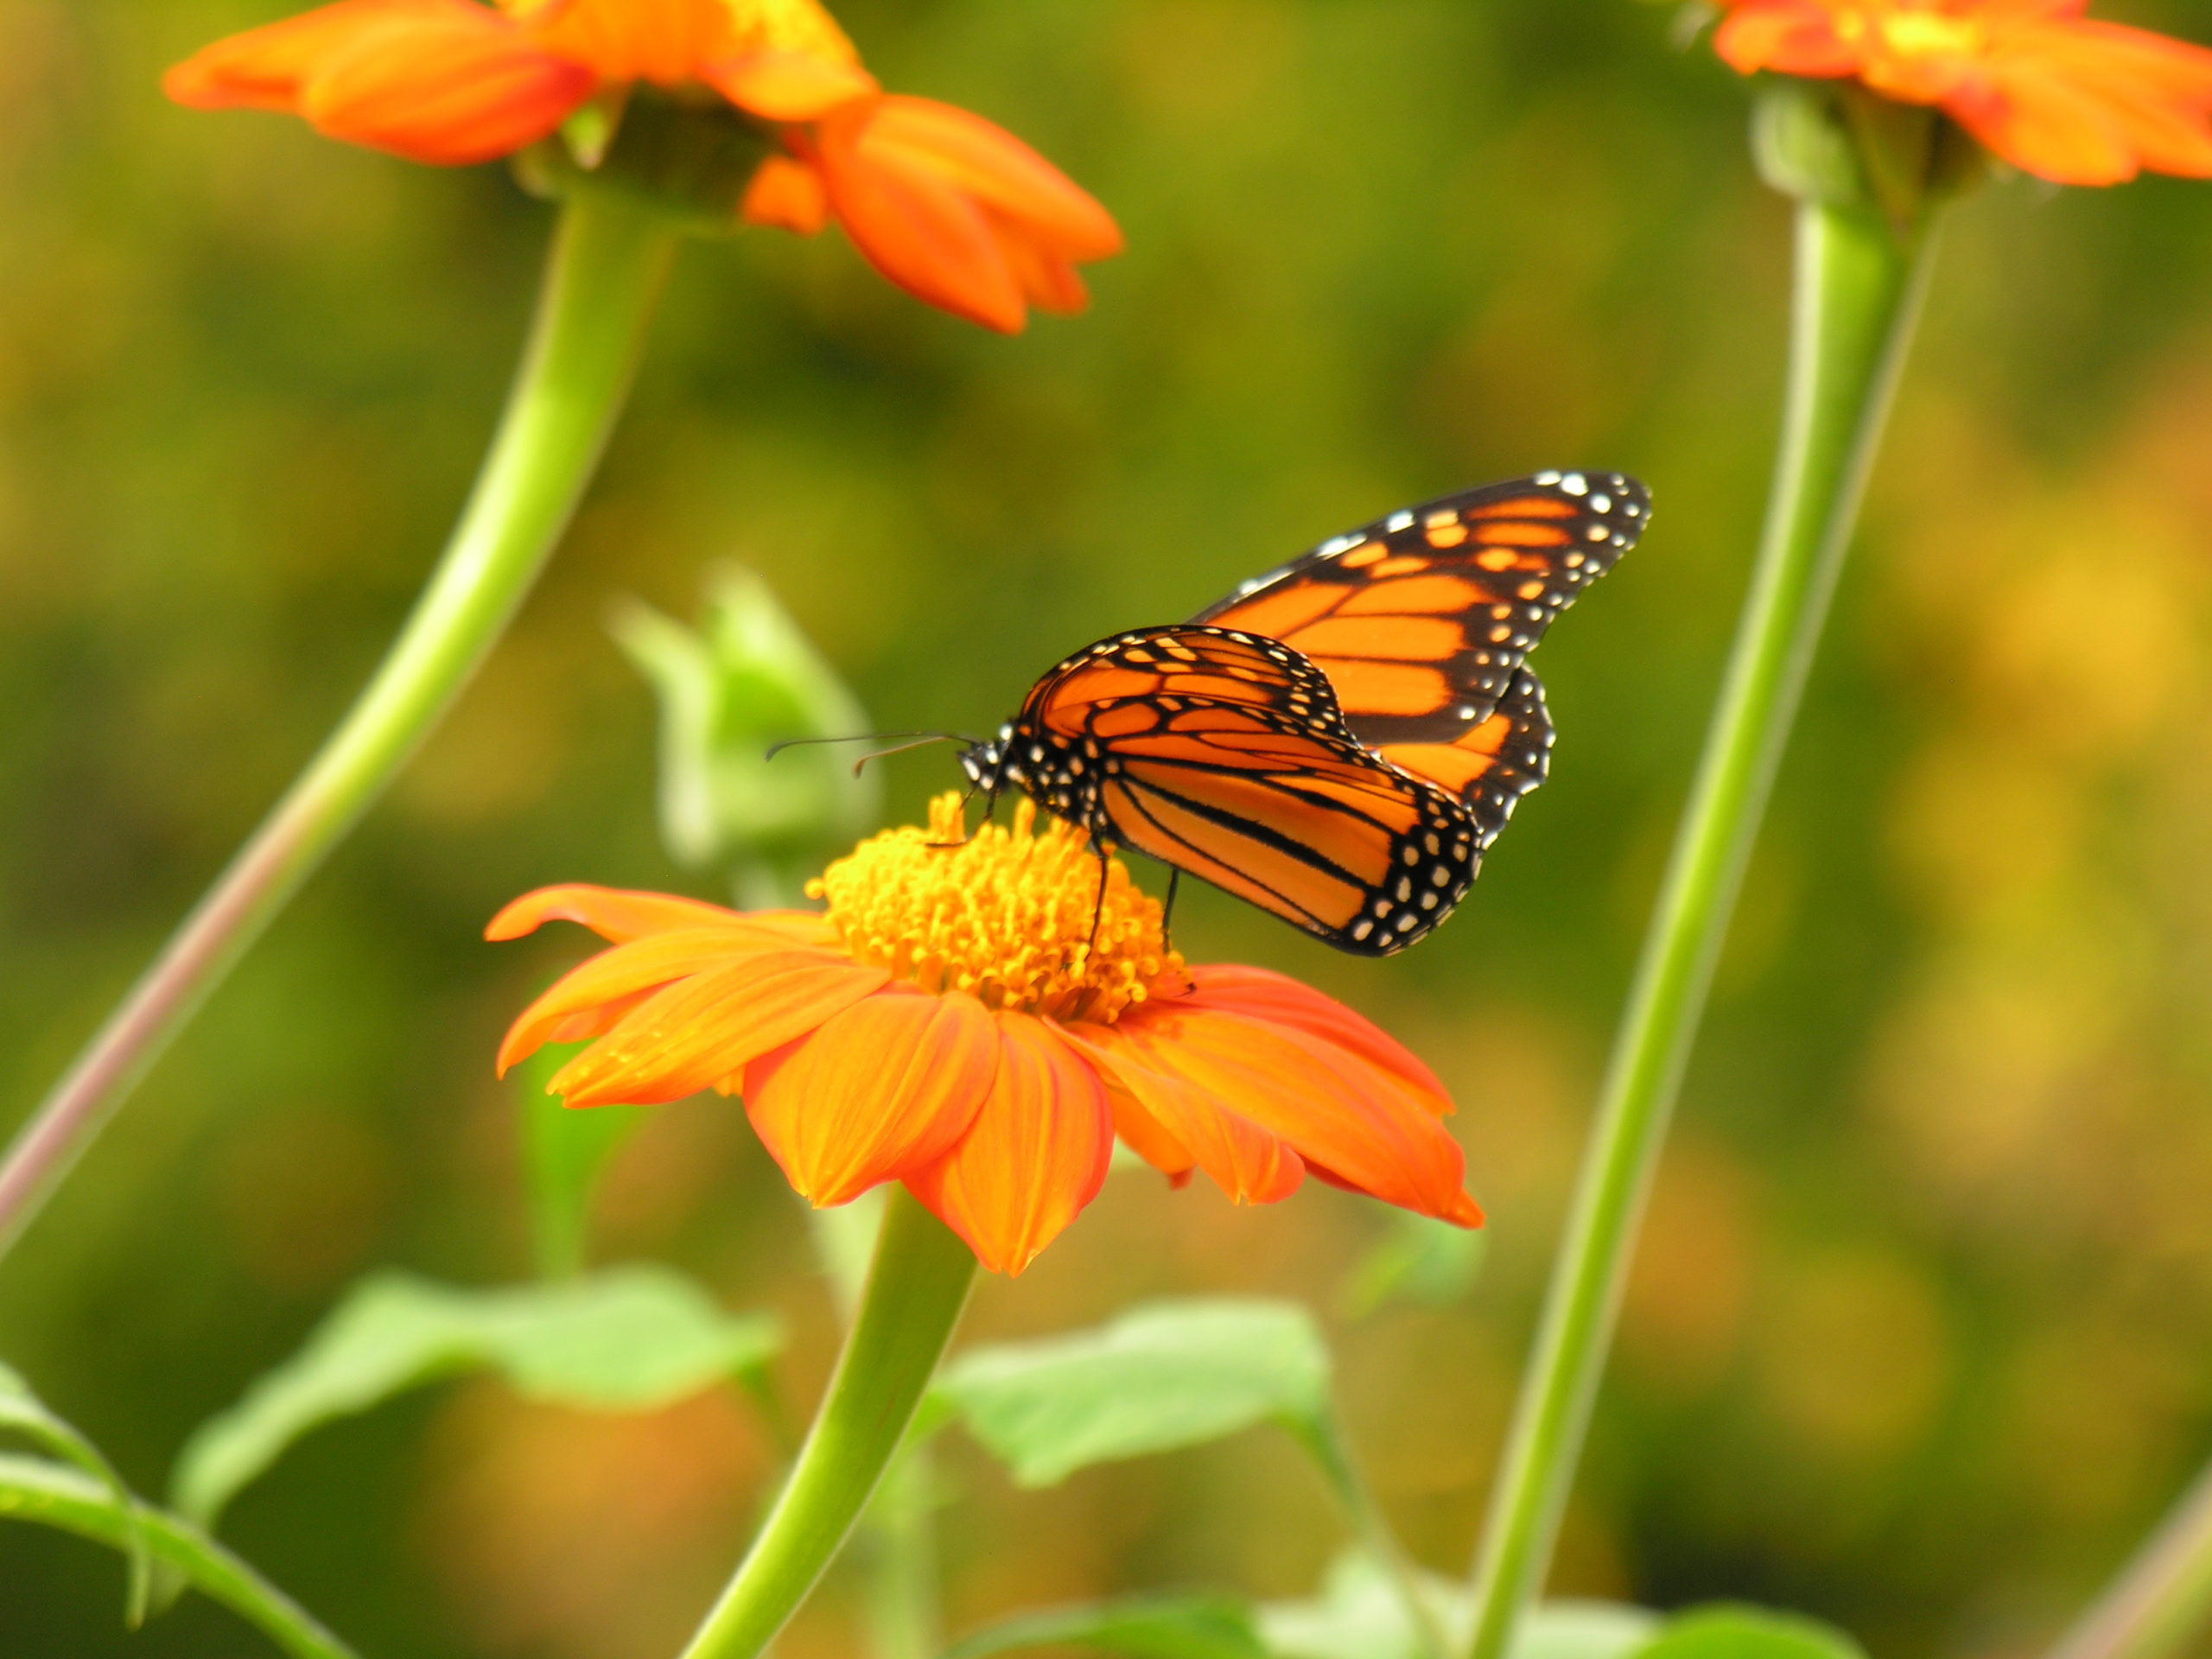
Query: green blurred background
point(1922, 1331)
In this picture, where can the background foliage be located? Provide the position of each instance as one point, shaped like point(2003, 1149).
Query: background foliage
point(1920, 1336)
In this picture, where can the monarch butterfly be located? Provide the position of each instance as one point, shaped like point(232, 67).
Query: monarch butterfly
point(1340, 740)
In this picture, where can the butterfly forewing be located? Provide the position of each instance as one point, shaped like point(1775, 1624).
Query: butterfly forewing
point(1226, 755)
point(1420, 620)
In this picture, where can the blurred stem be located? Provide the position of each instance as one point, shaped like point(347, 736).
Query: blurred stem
point(34, 1489)
point(1858, 283)
point(916, 1289)
point(898, 1534)
point(2162, 1597)
point(605, 269)
point(1325, 1437)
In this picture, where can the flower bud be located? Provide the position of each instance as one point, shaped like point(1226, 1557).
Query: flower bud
point(748, 678)
point(1834, 142)
point(691, 158)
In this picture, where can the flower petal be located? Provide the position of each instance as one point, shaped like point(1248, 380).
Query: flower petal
point(265, 68)
point(788, 195)
point(662, 41)
point(1146, 1135)
point(443, 81)
point(988, 164)
point(1249, 1163)
point(788, 85)
point(1035, 1156)
point(2084, 102)
point(2044, 125)
point(1791, 37)
point(1278, 998)
point(704, 1028)
point(1360, 1122)
point(626, 971)
point(919, 230)
point(1046, 280)
point(464, 87)
point(883, 1089)
point(620, 915)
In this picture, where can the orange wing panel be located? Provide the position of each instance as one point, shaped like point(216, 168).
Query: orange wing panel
point(1386, 688)
point(1386, 638)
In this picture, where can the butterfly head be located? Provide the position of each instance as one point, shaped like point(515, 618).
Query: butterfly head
point(988, 765)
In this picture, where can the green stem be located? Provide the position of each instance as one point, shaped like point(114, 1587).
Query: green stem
point(605, 270)
point(1326, 1439)
point(1858, 292)
point(915, 1292)
point(33, 1490)
point(2162, 1597)
point(896, 1541)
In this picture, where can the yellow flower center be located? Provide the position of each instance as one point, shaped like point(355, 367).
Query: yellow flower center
point(1912, 31)
point(1007, 915)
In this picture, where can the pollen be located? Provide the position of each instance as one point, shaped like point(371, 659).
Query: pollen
point(1013, 917)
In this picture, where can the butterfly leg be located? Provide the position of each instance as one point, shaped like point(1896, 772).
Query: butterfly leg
point(1098, 908)
point(1167, 908)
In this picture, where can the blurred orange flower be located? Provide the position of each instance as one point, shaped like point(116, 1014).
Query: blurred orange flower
point(956, 211)
point(2072, 99)
point(948, 1022)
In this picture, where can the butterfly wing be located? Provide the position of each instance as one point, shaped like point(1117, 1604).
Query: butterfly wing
point(1227, 755)
point(1420, 621)
point(1492, 763)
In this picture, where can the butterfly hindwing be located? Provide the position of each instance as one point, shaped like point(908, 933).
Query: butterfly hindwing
point(1491, 764)
point(1420, 620)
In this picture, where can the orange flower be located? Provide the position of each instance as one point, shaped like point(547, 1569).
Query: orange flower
point(947, 1022)
point(952, 208)
point(2070, 98)
point(955, 210)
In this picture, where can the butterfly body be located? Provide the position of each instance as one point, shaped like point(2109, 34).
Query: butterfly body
point(1340, 740)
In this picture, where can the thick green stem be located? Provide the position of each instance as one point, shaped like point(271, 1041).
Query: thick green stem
point(605, 270)
point(896, 1541)
point(1858, 291)
point(2163, 1597)
point(916, 1289)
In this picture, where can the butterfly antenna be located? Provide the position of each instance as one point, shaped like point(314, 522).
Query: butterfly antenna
point(901, 748)
point(775, 749)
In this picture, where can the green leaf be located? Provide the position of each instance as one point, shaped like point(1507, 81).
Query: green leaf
point(1729, 1631)
point(1585, 1630)
point(32, 1488)
point(747, 678)
point(1148, 1627)
point(1360, 1615)
point(1162, 1375)
point(566, 1150)
point(629, 1339)
point(23, 1412)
